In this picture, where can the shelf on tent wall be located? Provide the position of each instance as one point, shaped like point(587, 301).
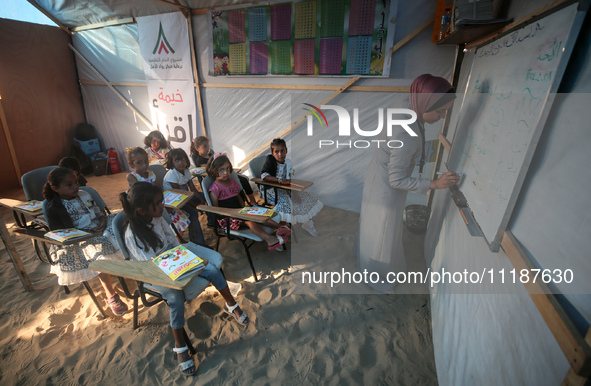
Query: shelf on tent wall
point(472, 33)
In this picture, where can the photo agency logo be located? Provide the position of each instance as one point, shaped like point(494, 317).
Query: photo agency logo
point(393, 117)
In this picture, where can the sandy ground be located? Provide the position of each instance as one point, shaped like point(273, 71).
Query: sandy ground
point(298, 334)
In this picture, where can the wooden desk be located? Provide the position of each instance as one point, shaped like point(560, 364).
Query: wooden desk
point(188, 193)
point(39, 235)
point(144, 271)
point(231, 212)
point(295, 185)
point(14, 256)
point(12, 204)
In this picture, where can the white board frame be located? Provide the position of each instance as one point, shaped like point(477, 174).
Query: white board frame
point(494, 241)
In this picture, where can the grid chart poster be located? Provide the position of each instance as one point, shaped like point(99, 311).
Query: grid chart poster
point(320, 37)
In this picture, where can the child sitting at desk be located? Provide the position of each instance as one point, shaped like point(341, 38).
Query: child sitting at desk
point(224, 192)
point(300, 207)
point(69, 207)
point(156, 146)
point(74, 164)
point(179, 177)
point(137, 159)
point(201, 153)
point(147, 234)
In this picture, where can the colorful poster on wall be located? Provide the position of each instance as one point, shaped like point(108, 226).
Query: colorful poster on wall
point(320, 37)
point(165, 49)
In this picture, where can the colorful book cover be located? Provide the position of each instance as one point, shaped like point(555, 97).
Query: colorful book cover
point(257, 211)
point(177, 262)
point(62, 235)
point(158, 161)
point(173, 198)
point(31, 206)
point(197, 171)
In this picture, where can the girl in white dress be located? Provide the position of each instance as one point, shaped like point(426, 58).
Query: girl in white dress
point(69, 207)
point(294, 207)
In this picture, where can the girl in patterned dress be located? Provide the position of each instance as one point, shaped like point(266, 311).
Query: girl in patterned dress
point(156, 146)
point(137, 159)
point(69, 207)
point(294, 207)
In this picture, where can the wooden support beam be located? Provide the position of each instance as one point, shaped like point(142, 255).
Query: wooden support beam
point(10, 144)
point(50, 17)
point(110, 23)
point(243, 164)
point(411, 35)
point(196, 77)
point(444, 142)
point(14, 256)
point(572, 379)
point(175, 4)
point(116, 84)
point(108, 84)
point(572, 343)
point(306, 87)
point(548, 8)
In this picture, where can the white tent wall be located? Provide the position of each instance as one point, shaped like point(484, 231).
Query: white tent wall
point(239, 121)
point(494, 332)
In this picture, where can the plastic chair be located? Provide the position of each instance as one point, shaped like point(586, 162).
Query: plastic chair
point(34, 181)
point(119, 228)
point(256, 166)
point(160, 172)
point(101, 204)
point(246, 237)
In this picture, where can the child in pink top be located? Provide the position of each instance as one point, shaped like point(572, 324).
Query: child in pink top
point(225, 192)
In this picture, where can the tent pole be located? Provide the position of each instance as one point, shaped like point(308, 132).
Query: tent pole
point(10, 144)
point(108, 84)
point(243, 163)
point(196, 77)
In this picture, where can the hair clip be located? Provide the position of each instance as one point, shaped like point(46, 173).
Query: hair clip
point(220, 154)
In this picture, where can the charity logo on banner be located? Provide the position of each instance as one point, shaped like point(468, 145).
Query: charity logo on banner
point(166, 53)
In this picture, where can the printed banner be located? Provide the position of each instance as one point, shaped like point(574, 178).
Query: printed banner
point(172, 104)
point(166, 53)
point(164, 45)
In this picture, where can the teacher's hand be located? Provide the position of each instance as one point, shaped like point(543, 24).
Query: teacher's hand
point(445, 181)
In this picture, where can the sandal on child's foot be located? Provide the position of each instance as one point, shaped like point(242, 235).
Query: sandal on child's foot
point(283, 231)
point(242, 319)
point(117, 306)
point(187, 367)
point(280, 242)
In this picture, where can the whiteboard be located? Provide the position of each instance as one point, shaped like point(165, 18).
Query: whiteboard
point(507, 99)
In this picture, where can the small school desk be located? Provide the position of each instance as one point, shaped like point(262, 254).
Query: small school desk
point(144, 271)
point(231, 212)
point(188, 193)
point(12, 204)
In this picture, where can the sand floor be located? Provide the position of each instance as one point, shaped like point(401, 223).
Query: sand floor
point(298, 334)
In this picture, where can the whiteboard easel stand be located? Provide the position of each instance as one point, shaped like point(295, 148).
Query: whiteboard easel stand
point(574, 346)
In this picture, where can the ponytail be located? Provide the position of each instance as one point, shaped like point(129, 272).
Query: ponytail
point(141, 196)
point(57, 215)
